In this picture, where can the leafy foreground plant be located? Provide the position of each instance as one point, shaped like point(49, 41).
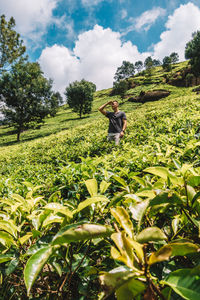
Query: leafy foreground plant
point(160, 248)
point(137, 252)
point(29, 227)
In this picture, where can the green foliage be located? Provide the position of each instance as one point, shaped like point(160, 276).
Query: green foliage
point(75, 209)
point(80, 96)
point(192, 52)
point(167, 63)
point(126, 70)
point(138, 65)
point(120, 88)
point(27, 96)
point(174, 57)
point(11, 47)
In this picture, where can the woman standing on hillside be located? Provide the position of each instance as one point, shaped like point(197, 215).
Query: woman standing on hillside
point(117, 121)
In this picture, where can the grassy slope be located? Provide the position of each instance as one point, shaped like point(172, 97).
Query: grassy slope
point(152, 129)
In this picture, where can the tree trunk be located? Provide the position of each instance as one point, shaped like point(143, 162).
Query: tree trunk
point(18, 135)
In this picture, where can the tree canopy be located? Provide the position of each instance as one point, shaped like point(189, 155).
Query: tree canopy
point(27, 96)
point(80, 95)
point(11, 46)
point(192, 51)
point(167, 63)
point(126, 70)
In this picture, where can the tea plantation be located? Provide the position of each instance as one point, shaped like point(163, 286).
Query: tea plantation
point(82, 218)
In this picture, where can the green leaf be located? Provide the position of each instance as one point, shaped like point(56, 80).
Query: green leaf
point(82, 232)
point(151, 234)
point(25, 238)
point(175, 224)
point(125, 247)
point(57, 207)
point(191, 193)
point(182, 249)
point(194, 181)
point(197, 195)
point(185, 282)
point(35, 264)
point(122, 217)
point(5, 258)
point(165, 174)
point(6, 239)
point(12, 266)
point(92, 187)
point(162, 254)
point(120, 180)
point(52, 219)
point(104, 186)
point(112, 280)
point(90, 201)
point(138, 210)
point(9, 227)
point(166, 197)
point(130, 290)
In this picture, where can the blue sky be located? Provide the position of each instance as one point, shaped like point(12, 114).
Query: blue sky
point(75, 39)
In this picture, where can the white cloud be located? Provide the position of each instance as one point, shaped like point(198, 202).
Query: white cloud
point(91, 2)
point(58, 63)
point(180, 26)
point(145, 20)
point(96, 56)
point(124, 13)
point(32, 17)
point(148, 18)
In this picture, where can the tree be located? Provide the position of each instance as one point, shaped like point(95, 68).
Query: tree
point(192, 51)
point(174, 57)
point(148, 64)
point(80, 96)
point(27, 96)
point(126, 70)
point(120, 88)
point(156, 62)
point(167, 63)
point(11, 47)
point(138, 65)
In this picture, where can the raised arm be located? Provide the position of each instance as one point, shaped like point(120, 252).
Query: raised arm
point(101, 108)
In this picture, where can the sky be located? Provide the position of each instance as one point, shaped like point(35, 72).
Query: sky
point(76, 39)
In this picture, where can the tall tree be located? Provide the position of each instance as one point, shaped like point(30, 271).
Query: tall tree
point(11, 46)
point(148, 63)
point(126, 70)
point(120, 88)
point(192, 51)
point(27, 96)
point(167, 63)
point(174, 57)
point(80, 96)
point(138, 65)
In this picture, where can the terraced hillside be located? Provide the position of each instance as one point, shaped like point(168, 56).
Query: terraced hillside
point(147, 196)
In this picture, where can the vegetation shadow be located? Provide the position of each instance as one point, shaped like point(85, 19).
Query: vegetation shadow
point(74, 119)
point(39, 135)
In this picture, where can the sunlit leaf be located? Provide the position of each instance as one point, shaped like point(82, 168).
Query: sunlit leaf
point(35, 264)
point(90, 201)
point(92, 186)
point(57, 207)
point(122, 217)
point(151, 234)
point(25, 238)
point(104, 186)
point(82, 232)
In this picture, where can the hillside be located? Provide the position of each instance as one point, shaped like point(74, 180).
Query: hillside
point(159, 155)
